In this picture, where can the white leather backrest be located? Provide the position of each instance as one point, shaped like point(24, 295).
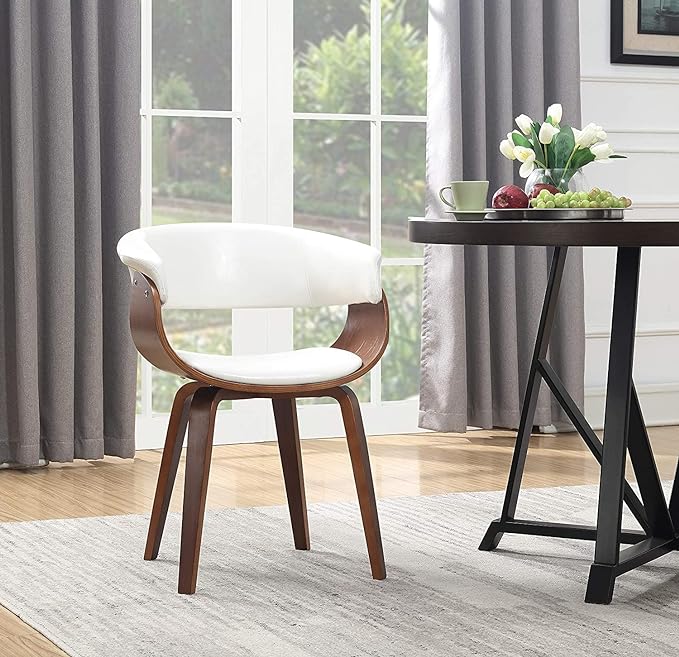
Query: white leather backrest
point(219, 265)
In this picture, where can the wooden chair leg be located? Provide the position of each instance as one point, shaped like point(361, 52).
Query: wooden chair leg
point(360, 462)
point(174, 442)
point(198, 454)
point(285, 414)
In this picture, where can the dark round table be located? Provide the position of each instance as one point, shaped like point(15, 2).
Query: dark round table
point(633, 233)
point(624, 427)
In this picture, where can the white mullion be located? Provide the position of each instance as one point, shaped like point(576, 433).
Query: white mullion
point(372, 116)
point(146, 200)
point(375, 124)
point(376, 184)
point(194, 113)
point(376, 228)
point(403, 118)
point(248, 330)
point(279, 129)
point(403, 262)
point(330, 116)
point(239, 319)
point(253, 96)
point(236, 106)
point(376, 158)
point(280, 145)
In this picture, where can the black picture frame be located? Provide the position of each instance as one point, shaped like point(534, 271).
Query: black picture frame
point(619, 56)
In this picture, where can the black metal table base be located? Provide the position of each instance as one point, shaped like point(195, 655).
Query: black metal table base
point(624, 432)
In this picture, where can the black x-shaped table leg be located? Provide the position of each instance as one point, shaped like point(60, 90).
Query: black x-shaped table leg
point(624, 430)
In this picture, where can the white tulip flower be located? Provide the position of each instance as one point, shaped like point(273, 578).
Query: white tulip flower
point(522, 153)
point(601, 151)
point(527, 167)
point(507, 149)
point(554, 112)
point(527, 156)
point(587, 136)
point(525, 123)
point(547, 132)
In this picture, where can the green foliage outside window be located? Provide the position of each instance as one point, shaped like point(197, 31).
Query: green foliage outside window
point(331, 77)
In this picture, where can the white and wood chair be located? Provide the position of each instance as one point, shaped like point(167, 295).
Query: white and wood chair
point(213, 265)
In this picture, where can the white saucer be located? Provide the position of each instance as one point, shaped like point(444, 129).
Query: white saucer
point(469, 215)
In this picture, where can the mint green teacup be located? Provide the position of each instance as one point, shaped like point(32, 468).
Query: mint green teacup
point(468, 195)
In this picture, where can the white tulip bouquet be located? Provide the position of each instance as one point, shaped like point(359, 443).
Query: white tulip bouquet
point(553, 145)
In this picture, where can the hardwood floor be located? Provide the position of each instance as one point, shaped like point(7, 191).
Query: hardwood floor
point(250, 475)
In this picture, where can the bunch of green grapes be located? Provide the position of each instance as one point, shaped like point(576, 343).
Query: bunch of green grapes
point(595, 198)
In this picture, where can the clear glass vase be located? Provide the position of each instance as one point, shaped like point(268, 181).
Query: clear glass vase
point(564, 180)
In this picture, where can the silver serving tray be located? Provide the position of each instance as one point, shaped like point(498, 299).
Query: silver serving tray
point(556, 214)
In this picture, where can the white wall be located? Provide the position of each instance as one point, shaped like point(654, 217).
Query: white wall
point(639, 107)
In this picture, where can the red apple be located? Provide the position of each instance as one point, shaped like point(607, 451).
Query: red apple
point(540, 186)
point(510, 196)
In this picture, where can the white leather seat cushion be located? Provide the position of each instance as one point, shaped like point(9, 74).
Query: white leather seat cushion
point(312, 365)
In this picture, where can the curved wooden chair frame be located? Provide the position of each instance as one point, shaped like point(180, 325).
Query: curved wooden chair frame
point(365, 333)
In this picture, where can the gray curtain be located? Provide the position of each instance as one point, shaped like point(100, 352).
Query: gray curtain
point(489, 61)
point(69, 171)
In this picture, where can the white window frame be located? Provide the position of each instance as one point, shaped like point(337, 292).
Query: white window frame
point(262, 121)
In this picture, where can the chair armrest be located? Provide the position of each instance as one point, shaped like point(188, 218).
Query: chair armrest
point(137, 254)
point(366, 332)
point(146, 326)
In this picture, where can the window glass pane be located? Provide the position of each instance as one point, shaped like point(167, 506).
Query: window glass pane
point(403, 186)
point(192, 54)
point(404, 57)
point(332, 177)
point(320, 327)
point(205, 331)
point(332, 56)
point(401, 361)
point(191, 169)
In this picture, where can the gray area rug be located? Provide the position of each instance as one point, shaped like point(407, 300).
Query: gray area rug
point(84, 585)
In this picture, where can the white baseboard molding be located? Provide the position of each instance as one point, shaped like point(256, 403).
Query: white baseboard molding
point(253, 423)
point(659, 403)
point(604, 332)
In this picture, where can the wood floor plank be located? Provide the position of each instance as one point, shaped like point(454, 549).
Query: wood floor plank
point(17, 639)
point(250, 475)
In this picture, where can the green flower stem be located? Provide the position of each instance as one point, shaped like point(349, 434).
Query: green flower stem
point(570, 158)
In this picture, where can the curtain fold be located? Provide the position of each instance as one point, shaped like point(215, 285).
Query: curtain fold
point(69, 171)
point(489, 61)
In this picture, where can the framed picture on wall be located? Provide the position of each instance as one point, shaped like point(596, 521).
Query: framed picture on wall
point(645, 32)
